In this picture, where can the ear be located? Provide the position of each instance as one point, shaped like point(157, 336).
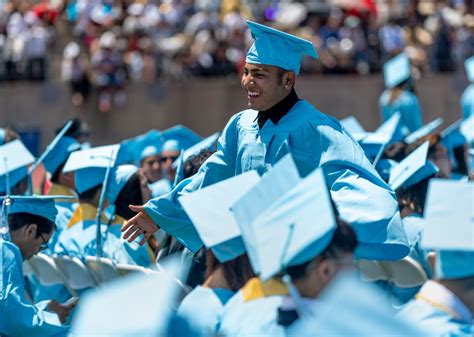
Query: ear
point(289, 79)
point(326, 270)
point(31, 230)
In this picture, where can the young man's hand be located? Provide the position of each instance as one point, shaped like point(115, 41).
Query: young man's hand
point(141, 223)
point(61, 309)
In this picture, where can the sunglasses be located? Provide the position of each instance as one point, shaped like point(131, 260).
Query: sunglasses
point(44, 245)
point(165, 159)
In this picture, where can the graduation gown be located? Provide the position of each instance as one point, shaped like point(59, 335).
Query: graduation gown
point(160, 187)
point(467, 101)
point(17, 316)
point(314, 140)
point(202, 307)
point(253, 310)
point(438, 310)
point(408, 106)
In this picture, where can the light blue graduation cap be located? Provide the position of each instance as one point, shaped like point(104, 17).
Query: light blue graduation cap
point(374, 143)
point(59, 153)
point(14, 159)
point(451, 137)
point(384, 167)
point(352, 125)
point(449, 218)
point(149, 300)
point(424, 131)
point(149, 151)
point(91, 165)
point(396, 70)
point(206, 144)
point(276, 48)
point(118, 178)
point(179, 138)
point(350, 307)
point(412, 169)
point(43, 206)
point(210, 206)
point(469, 65)
point(281, 178)
point(131, 149)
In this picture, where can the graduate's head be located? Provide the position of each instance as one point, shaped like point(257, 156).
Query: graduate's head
point(313, 276)
point(31, 223)
point(64, 178)
point(234, 273)
point(150, 163)
point(272, 64)
point(170, 152)
point(193, 163)
point(437, 153)
point(56, 159)
point(131, 194)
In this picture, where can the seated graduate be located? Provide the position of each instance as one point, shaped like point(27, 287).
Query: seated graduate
point(295, 245)
point(278, 122)
point(227, 265)
point(15, 158)
point(125, 185)
point(445, 305)
point(400, 94)
point(31, 225)
point(150, 163)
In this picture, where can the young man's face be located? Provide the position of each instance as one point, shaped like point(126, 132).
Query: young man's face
point(166, 160)
point(151, 168)
point(28, 241)
point(264, 85)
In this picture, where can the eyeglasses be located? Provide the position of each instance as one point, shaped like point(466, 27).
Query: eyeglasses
point(44, 245)
point(165, 159)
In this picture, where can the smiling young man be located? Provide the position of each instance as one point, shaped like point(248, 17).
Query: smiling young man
point(276, 123)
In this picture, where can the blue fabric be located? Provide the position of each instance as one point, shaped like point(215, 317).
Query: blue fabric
point(314, 140)
point(408, 106)
point(160, 187)
point(14, 177)
point(58, 154)
point(440, 323)
point(467, 101)
point(18, 316)
point(258, 317)
point(202, 307)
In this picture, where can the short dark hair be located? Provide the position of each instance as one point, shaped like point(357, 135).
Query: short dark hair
point(131, 194)
point(414, 196)
point(19, 220)
point(193, 163)
point(56, 174)
point(343, 241)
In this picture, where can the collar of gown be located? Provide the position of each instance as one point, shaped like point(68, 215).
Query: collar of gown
point(276, 112)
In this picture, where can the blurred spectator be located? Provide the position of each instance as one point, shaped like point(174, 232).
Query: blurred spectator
point(75, 71)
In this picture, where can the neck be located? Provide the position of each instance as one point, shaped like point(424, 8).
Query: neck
point(465, 295)
point(216, 280)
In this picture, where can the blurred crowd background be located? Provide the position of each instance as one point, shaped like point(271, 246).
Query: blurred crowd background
point(105, 45)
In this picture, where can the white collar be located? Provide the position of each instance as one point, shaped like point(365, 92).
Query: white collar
point(444, 299)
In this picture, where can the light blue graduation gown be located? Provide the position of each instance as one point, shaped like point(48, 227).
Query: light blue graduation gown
point(408, 106)
point(160, 187)
point(315, 140)
point(17, 316)
point(202, 307)
point(443, 319)
point(467, 101)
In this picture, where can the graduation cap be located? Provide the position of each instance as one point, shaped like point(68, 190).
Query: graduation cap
point(211, 205)
point(207, 143)
point(276, 48)
point(2, 135)
point(469, 66)
point(149, 151)
point(131, 150)
point(449, 215)
point(285, 234)
point(413, 169)
point(396, 70)
point(14, 159)
point(43, 206)
point(363, 308)
point(59, 153)
point(281, 178)
point(149, 300)
point(423, 131)
point(352, 125)
point(91, 165)
point(179, 138)
point(373, 143)
point(467, 129)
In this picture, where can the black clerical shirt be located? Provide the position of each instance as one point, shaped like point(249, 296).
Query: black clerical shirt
point(276, 112)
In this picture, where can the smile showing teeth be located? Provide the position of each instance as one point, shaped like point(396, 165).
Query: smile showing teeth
point(253, 94)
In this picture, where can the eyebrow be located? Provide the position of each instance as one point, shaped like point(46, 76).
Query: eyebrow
point(254, 70)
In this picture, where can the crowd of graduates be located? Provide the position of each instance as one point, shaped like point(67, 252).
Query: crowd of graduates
point(289, 223)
